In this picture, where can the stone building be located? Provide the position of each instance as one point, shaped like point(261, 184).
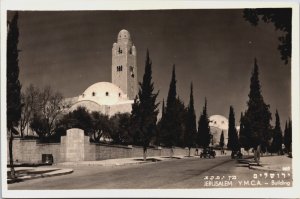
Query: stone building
point(217, 124)
point(118, 95)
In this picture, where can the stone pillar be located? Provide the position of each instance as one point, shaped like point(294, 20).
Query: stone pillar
point(74, 143)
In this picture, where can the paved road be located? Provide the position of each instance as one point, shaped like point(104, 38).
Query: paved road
point(184, 173)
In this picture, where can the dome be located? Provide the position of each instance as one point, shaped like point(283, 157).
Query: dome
point(218, 121)
point(103, 93)
point(124, 35)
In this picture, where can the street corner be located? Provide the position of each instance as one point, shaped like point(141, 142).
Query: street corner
point(23, 173)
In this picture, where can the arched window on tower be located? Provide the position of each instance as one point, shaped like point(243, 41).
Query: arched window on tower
point(106, 93)
point(93, 93)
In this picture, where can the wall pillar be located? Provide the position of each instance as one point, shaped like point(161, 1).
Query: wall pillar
point(74, 143)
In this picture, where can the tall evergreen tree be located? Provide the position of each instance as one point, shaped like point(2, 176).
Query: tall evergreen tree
point(221, 143)
point(190, 131)
point(233, 142)
point(257, 116)
point(173, 127)
point(13, 86)
point(181, 112)
point(244, 134)
point(277, 141)
point(169, 131)
point(204, 135)
point(144, 109)
point(288, 136)
point(134, 122)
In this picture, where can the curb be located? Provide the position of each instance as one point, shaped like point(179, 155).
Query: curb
point(264, 168)
point(132, 162)
point(46, 175)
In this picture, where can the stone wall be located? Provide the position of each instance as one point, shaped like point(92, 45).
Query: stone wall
point(30, 151)
point(75, 146)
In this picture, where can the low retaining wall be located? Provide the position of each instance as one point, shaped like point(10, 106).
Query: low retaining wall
point(76, 147)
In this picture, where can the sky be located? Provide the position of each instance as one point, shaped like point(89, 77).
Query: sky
point(214, 49)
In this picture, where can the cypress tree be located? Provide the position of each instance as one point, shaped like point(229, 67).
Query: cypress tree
point(171, 100)
point(288, 136)
point(134, 122)
point(276, 145)
point(233, 143)
point(172, 130)
point(13, 86)
point(257, 116)
point(144, 109)
point(180, 122)
point(203, 128)
point(221, 144)
point(170, 126)
point(244, 134)
point(190, 131)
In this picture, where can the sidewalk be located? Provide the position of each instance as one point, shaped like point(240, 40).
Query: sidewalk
point(273, 163)
point(122, 161)
point(28, 173)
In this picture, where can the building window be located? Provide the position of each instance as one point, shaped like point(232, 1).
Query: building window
point(83, 95)
point(120, 51)
point(93, 93)
point(131, 71)
point(119, 94)
point(119, 68)
point(130, 51)
point(106, 93)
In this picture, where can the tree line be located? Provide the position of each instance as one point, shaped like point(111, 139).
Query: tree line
point(44, 111)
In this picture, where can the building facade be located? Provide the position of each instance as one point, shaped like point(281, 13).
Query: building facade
point(117, 96)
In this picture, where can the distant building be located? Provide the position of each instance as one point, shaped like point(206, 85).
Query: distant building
point(217, 124)
point(118, 96)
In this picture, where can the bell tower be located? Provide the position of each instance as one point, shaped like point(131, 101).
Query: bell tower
point(124, 69)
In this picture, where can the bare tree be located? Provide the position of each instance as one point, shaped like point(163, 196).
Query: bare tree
point(50, 105)
point(29, 101)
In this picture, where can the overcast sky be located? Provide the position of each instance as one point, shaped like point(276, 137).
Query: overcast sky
point(214, 49)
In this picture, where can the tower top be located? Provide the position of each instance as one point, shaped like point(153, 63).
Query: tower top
point(124, 35)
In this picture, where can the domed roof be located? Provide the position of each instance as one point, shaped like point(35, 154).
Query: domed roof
point(218, 121)
point(103, 93)
point(124, 35)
